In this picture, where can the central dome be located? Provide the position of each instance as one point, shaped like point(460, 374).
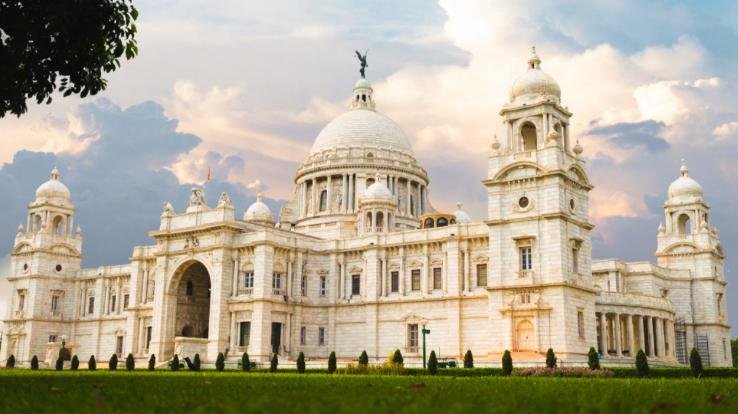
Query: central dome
point(361, 127)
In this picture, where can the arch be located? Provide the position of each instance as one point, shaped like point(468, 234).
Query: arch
point(529, 135)
point(442, 222)
point(323, 200)
point(428, 223)
point(557, 127)
point(684, 224)
point(57, 226)
point(524, 338)
point(368, 221)
point(517, 165)
point(189, 290)
point(380, 221)
point(580, 174)
point(36, 223)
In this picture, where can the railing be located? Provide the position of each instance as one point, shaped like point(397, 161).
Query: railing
point(245, 291)
point(278, 291)
point(411, 349)
point(56, 314)
point(18, 313)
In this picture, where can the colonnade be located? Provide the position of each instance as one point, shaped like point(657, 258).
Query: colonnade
point(623, 334)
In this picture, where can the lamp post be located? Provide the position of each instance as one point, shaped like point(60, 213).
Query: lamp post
point(425, 332)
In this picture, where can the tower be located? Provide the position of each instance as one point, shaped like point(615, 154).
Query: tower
point(539, 230)
point(687, 241)
point(45, 258)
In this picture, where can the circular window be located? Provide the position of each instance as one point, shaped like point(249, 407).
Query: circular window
point(571, 204)
point(25, 266)
point(58, 268)
point(523, 202)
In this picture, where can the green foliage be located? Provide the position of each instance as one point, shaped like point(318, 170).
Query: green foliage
point(196, 362)
point(273, 363)
point(468, 359)
point(734, 349)
point(301, 363)
point(550, 358)
point(59, 364)
point(75, 363)
point(34, 363)
point(113, 362)
point(91, 363)
point(642, 364)
point(10, 363)
point(695, 363)
point(397, 357)
point(363, 359)
point(50, 44)
point(593, 359)
point(432, 363)
point(507, 363)
point(219, 362)
point(332, 362)
point(174, 365)
point(152, 362)
point(130, 363)
point(245, 362)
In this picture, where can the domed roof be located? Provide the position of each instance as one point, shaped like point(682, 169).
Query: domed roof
point(378, 191)
point(462, 217)
point(534, 83)
point(259, 212)
point(361, 127)
point(685, 188)
point(362, 83)
point(53, 187)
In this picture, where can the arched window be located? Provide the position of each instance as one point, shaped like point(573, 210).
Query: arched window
point(528, 132)
point(363, 98)
point(380, 220)
point(368, 221)
point(442, 222)
point(188, 331)
point(557, 128)
point(428, 223)
point(58, 225)
point(323, 200)
point(36, 223)
point(189, 288)
point(685, 227)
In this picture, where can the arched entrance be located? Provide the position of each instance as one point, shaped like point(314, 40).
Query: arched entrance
point(193, 302)
point(524, 336)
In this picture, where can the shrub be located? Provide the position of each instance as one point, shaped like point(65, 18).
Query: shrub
point(174, 365)
point(332, 363)
point(75, 363)
point(245, 362)
point(363, 359)
point(219, 362)
point(562, 372)
point(59, 364)
point(550, 358)
point(695, 363)
point(130, 363)
point(432, 363)
point(196, 362)
point(468, 359)
point(642, 364)
point(91, 363)
point(10, 363)
point(507, 363)
point(113, 362)
point(301, 363)
point(593, 360)
point(152, 362)
point(397, 357)
point(34, 363)
point(273, 363)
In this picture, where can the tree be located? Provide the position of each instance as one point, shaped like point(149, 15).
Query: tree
point(363, 359)
point(593, 359)
point(130, 363)
point(75, 363)
point(174, 365)
point(67, 45)
point(432, 363)
point(301, 363)
point(152, 362)
point(734, 349)
point(397, 358)
point(196, 362)
point(113, 362)
point(10, 363)
point(695, 363)
point(273, 363)
point(60, 358)
point(59, 364)
point(507, 363)
point(219, 362)
point(332, 362)
point(91, 363)
point(245, 362)
point(642, 364)
point(550, 358)
point(468, 359)
point(34, 363)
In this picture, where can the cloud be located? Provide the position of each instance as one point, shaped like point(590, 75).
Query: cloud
point(633, 135)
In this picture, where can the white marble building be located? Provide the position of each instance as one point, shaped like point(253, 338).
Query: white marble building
point(360, 260)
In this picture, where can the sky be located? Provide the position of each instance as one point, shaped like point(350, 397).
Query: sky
point(243, 88)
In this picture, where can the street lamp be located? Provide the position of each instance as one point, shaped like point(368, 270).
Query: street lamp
point(425, 332)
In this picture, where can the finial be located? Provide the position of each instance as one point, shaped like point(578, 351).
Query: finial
point(55, 173)
point(534, 62)
point(578, 149)
point(533, 48)
point(20, 228)
point(459, 205)
point(661, 227)
point(683, 170)
point(259, 197)
point(495, 144)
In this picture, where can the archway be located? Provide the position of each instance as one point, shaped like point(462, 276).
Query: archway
point(524, 336)
point(192, 302)
point(530, 137)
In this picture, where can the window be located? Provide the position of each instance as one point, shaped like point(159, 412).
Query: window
point(54, 305)
point(148, 337)
point(125, 300)
point(91, 305)
point(395, 281)
point(442, 222)
point(575, 259)
point(528, 132)
point(277, 281)
point(580, 324)
point(356, 285)
point(321, 336)
point(437, 278)
point(685, 227)
point(119, 345)
point(323, 286)
point(304, 286)
point(244, 333)
point(523, 202)
point(482, 274)
point(412, 337)
point(52, 338)
point(526, 258)
point(21, 301)
point(720, 304)
point(525, 298)
point(190, 288)
point(112, 304)
point(415, 279)
point(323, 200)
point(428, 223)
point(248, 280)
point(303, 335)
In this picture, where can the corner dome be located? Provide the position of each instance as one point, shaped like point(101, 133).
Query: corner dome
point(259, 212)
point(361, 127)
point(378, 191)
point(685, 188)
point(534, 83)
point(462, 217)
point(53, 188)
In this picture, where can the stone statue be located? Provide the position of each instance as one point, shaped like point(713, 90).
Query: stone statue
point(362, 59)
point(197, 197)
point(224, 200)
point(168, 210)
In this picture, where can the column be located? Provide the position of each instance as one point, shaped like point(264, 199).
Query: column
point(328, 196)
point(467, 271)
point(145, 285)
point(425, 285)
point(314, 204)
point(660, 334)
point(618, 337)
point(402, 271)
point(374, 221)
point(234, 333)
point(351, 193)
point(290, 278)
point(407, 199)
point(631, 338)
point(386, 222)
point(649, 326)
point(603, 334)
point(119, 302)
point(641, 335)
point(344, 191)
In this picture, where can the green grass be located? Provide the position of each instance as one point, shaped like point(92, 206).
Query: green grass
point(24, 391)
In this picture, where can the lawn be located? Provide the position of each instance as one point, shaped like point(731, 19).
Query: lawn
point(215, 392)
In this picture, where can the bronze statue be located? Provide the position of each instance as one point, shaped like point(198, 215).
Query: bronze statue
point(362, 59)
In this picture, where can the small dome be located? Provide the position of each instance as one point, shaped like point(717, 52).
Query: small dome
point(534, 83)
point(259, 212)
point(378, 191)
point(362, 83)
point(685, 188)
point(53, 187)
point(462, 217)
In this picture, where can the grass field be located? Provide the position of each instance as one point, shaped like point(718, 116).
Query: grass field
point(213, 392)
